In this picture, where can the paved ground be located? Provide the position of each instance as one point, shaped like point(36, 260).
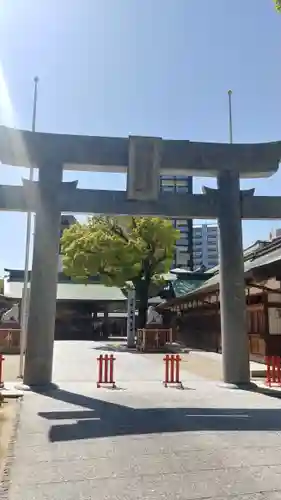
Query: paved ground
point(11, 367)
point(209, 365)
point(7, 419)
point(144, 441)
point(199, 363)
point(202, 363)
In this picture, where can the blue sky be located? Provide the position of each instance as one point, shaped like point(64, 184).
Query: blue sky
point(151, 67)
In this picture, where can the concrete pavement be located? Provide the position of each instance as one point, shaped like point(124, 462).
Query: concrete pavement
point(11, 367)
point(143, 441)
point(209, 365)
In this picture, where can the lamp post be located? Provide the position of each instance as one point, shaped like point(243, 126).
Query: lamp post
point(26, 290)
point(230, 116)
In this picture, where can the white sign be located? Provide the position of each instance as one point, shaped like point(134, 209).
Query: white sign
point(131, 318)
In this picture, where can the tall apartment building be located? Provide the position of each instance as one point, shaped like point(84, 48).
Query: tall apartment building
point(205, 246)
point(183, 256)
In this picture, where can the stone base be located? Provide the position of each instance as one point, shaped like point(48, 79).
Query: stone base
point(37, 388)
point(131, 345)
point(11, 393)
point(245, 386)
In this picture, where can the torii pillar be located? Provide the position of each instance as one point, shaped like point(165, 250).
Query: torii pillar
point(235, 343)
point(43, 289)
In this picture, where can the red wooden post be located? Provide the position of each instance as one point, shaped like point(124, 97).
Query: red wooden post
point(273, 371)
point(2, 359)
point(166, 361)
point(178, 359)
point(99, 360)
point(105, 380)
point(278, 370)
point(172, 371)
point(268, 374)
point(111, 364)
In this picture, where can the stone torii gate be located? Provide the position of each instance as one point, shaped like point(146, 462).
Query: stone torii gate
point(144, 159)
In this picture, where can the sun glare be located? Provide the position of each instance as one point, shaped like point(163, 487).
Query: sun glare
point(7, 114)
point(8, 118)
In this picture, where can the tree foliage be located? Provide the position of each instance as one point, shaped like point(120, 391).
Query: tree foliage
point(120, 250)
point(278, 5)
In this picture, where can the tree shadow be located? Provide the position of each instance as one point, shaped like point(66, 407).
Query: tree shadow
point(104, 419)
point(167, 349)
point(114, 348)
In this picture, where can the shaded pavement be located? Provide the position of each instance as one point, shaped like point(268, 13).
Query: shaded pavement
point(144, 441)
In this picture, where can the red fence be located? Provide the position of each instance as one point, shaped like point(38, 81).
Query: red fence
point(273, 370)
point(172, 370)
point(106, 370)
point(106, 365)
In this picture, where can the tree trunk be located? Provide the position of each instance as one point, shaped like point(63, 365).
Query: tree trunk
point(142, 316)
point(142, 287)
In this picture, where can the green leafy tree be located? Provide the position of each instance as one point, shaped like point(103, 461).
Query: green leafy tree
point(121, 251)
point(278, 5)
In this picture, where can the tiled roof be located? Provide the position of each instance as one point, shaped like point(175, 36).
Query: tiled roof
point(71, 291)
point(182, 287)
point(267, 254)
point(259, 255)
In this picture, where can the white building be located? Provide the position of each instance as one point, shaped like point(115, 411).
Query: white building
point(275, 233)
point(205, 246)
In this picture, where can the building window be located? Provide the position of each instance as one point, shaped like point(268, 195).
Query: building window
point(182, 222)
point(168, 189)
point(182, 241)
point(182, 248)
point(183, 230)
point(167, 178)
point(183, 234)
point(182, 189)
point(167, 182)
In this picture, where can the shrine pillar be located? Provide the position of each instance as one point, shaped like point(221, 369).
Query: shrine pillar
point(43, 290)
point(235, 347)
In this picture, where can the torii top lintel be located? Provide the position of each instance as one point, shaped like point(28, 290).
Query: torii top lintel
point(110, 154)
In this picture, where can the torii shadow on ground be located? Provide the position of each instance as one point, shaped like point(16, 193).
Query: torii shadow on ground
point(100, 418)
